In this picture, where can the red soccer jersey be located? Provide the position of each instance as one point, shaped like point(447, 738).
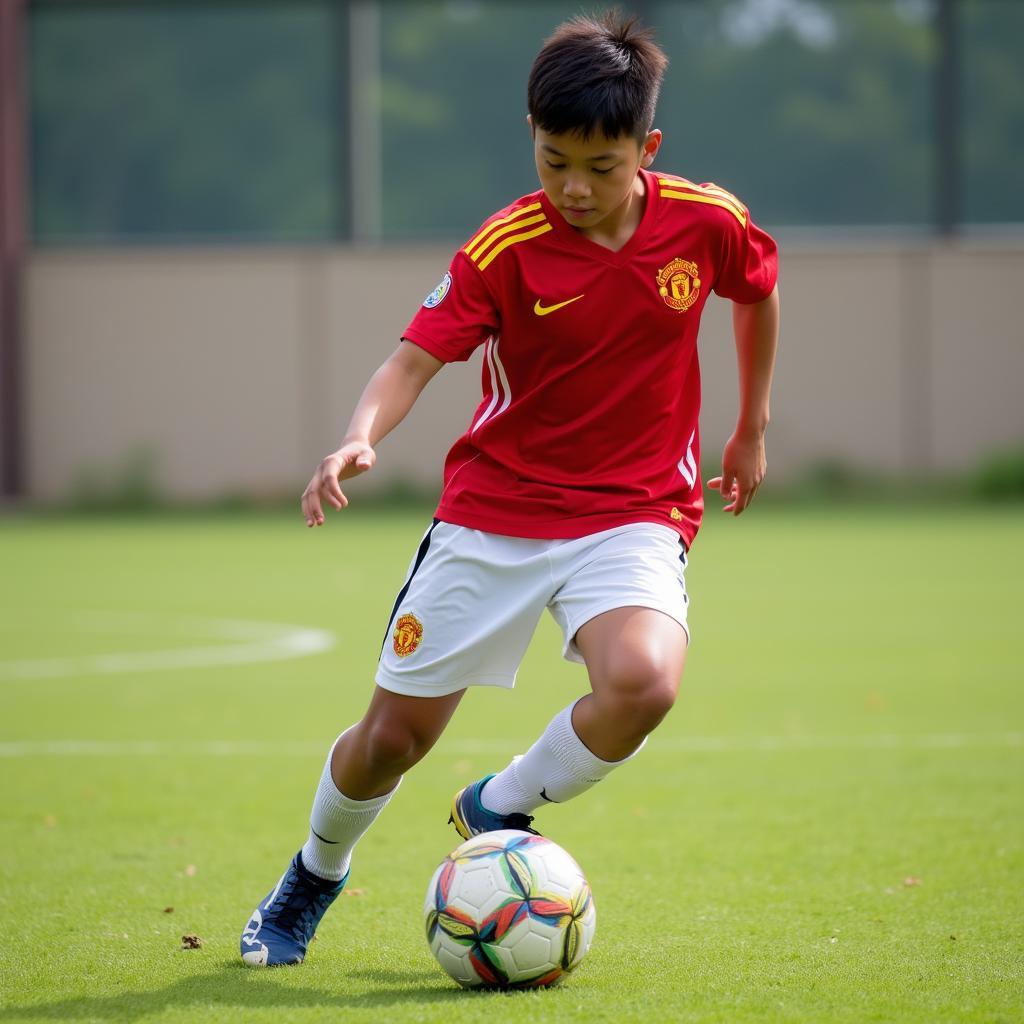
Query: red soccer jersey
point(591, 385)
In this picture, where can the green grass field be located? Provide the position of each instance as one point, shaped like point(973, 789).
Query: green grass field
point(828, 827)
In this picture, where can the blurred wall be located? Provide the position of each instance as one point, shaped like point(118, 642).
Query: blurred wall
point(235, 370)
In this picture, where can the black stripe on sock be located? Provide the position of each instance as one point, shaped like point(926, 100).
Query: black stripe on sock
point(330, 842)
point(420, 555)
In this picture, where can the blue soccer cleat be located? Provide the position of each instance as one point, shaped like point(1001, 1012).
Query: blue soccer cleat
point(471, 818)
point(282, 926)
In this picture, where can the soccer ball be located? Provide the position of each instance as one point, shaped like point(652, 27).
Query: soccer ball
point(509, 909)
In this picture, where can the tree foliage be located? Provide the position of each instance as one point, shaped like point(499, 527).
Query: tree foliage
point(226, 119)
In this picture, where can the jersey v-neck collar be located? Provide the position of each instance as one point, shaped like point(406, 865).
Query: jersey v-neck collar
point(586, 246)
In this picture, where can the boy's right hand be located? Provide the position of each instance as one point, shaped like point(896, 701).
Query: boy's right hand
point(349, 460)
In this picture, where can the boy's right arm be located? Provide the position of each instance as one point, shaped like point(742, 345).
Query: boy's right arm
point(387, 398)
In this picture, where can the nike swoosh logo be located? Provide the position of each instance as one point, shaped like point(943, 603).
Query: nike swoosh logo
point(544, 310)
point(544, 792)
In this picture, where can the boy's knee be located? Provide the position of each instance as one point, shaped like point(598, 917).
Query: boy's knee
point(651, 703)
point(640, 690)
point(393, 744)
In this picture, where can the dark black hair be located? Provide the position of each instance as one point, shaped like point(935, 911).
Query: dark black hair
point(597, 74)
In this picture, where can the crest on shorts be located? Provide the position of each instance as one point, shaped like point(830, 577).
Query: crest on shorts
point(679, 284)
point(408, 635)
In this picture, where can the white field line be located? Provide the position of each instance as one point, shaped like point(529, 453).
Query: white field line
point(243, 643)
point(675, 745)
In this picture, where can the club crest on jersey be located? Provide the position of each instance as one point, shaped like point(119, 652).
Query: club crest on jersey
point(408, 635)
point(437, 296)
point(679, 284)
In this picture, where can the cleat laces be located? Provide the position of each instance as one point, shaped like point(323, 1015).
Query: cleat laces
point(301, 908)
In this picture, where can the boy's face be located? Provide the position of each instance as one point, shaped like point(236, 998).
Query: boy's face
point(589, 180)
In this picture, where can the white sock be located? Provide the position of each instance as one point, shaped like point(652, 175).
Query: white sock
point(555, 769)
point(336, 824)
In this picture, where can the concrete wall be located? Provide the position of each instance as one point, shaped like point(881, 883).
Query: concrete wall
point(238, 368)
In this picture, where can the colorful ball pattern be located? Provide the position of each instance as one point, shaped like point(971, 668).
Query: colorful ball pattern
point(509, 910)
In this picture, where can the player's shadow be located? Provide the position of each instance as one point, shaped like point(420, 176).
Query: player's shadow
point(233, 985)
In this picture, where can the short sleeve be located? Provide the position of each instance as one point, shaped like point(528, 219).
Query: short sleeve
point(750, 262)
point(457, 316)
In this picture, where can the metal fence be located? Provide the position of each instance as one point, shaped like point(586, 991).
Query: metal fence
point(315, 120)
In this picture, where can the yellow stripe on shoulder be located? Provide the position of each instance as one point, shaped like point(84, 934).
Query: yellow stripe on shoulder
point(513, 240)
point(707, 189)
point(716, 190)
point(674, 181)
point(481, 236)
point(495, 235)
point(697, 197)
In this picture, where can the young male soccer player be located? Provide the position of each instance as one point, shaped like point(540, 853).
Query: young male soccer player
point(576, 486)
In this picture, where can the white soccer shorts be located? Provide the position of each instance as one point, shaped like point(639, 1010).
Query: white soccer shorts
point(472, 600)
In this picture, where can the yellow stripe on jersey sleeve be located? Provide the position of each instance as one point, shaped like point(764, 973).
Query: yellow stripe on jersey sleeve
point(705, 197)
point(716, 190)
point(704, 190)
point(512, 240)
point(495, 235)
point(479, 239)
point(709, 187)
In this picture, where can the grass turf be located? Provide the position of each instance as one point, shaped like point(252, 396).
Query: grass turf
point(828, 827)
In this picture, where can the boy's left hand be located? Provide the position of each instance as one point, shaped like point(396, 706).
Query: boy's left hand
point(743, 469)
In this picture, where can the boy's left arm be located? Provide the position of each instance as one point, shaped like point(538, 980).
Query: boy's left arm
point(756, 327)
